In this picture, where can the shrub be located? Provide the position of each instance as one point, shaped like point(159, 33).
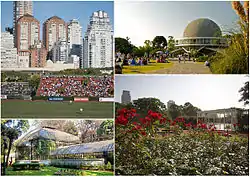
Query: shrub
point(201, 151)
point(202, 58)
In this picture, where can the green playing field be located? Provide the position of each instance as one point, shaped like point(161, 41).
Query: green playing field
point(46, 109)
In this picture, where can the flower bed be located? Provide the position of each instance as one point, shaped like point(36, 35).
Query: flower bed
point(141, 150)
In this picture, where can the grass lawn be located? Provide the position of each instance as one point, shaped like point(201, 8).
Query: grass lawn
point(50, 171)
point(146, 68)
point(46, 109)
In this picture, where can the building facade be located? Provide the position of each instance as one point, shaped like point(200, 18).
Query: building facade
point(27, 32)
point(74, 33)
point(27, 35)
point(60, 52)
point(38, 55)
point(9, 57)
point(75, 42)
point(202, 35)
point(223, 118)
point(126, 98)
point(20, 8)
point(54, 30)
point(98, 42)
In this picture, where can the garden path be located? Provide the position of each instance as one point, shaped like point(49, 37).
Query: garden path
point(189, 67)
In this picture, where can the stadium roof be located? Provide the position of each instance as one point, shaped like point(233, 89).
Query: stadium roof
point(48, 134)
point(202, 27)
point(101, 146)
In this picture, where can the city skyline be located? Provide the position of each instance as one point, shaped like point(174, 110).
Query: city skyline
point(168, 18)
point(207, 92)
point(42, 11)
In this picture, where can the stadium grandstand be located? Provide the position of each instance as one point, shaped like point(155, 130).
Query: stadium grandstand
point(15, 89)
point(86, 86)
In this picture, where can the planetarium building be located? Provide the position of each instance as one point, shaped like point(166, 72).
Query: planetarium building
point(203, 35)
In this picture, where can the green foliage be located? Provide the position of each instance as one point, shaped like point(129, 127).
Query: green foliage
point(235, 58)
point(159, 42)
point(34, 81)
point(52, 171)
point(244, 91)
point(108, 166)
point(106, 128)
point(71, 128)
point(24, 166)
point(171, 43)
point(142, 105)
point(43, 148)
point(202, 58)
point(123, 45)
point(184, 154)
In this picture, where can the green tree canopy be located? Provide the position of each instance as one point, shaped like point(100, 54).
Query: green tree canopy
point(244, 91)
point(123, 45)
point(159, 42)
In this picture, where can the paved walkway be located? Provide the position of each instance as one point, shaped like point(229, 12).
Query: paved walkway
point(189, 67)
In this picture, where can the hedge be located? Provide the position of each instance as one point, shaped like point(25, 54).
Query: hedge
point(25, 166)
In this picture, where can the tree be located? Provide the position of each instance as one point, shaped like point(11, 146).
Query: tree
point(190, 110)
point(171, 43)
point(70, 127)
point(174, 111)
point(193, 53)
point(67, 126)
point(123, 45)
point(244, 91)
point(160, 42)
point(148, 46)
point(106, 128)
point(57, 124)
point(88, 129)
point(142, 105)
point(12, 129)
point(34, 81)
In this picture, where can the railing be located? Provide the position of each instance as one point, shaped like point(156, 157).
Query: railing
point(201, 41)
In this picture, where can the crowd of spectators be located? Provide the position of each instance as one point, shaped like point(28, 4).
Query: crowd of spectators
point(84, 86)
point(15, 88)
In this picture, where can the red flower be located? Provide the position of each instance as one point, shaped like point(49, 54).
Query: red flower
point(163, 120)
point(135, 123)
point(173, 123)
point(121, 120)
point(143, 133)
point(133, 110)
point(204, 126)
point(143, 120)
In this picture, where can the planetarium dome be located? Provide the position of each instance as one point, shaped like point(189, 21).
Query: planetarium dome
point(202, 27)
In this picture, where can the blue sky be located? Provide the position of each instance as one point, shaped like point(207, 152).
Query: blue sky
point(67, 10)
point(204, 91)
point(142, 21)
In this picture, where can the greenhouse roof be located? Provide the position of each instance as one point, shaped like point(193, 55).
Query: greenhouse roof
point(48, 134)
point(101, 146)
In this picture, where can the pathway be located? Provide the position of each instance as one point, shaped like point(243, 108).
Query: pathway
point(189, 67)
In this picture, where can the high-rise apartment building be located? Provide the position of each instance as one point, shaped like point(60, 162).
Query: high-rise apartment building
point(20, 8)
point(27, 34)
point(54, 30)
point(60, 52)
point(38, 55)
point(125, 98)
point(98, 42)
point(8, 52)
point(74, 33)
point(75, 39)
